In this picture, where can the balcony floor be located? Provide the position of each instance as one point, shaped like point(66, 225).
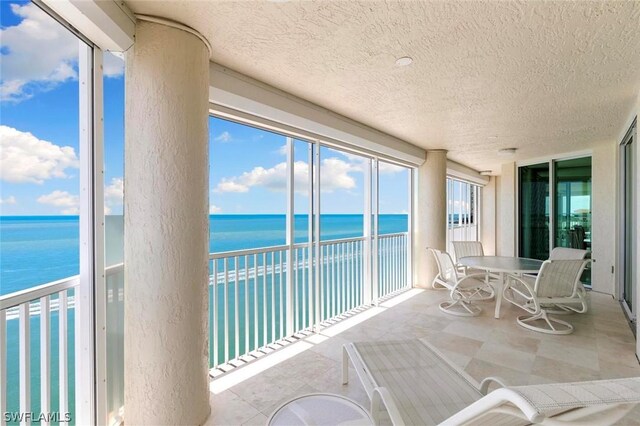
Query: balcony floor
point(602, 346)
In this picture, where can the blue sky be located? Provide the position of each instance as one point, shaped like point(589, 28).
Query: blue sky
point(40, 152)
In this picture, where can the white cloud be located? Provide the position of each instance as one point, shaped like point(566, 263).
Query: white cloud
point(9, 200)
point(113, 194)
point(223, 137)
point(214, 209)
point(113, 64)
point(41, 54)
point(68, 203)
point(25, 158)
point(335, 175)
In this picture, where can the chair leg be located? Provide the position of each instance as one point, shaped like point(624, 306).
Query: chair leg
point(555, 326)
point(460, 308)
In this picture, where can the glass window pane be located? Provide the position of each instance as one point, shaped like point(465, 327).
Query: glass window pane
point(534, 211)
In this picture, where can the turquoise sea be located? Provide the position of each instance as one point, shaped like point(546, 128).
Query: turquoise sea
point(39, 249)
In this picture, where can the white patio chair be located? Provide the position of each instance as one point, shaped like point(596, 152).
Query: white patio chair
point(415, 384)
point(463, 290)
point(469, 248)
point(557, 285)
point(566, 253)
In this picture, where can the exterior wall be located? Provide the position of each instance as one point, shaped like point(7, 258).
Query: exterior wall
point(166, 228)
point(507, 225)
point(603, 208)
point(488, 217)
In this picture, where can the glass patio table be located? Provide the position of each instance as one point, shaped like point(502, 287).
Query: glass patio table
point(503, 266)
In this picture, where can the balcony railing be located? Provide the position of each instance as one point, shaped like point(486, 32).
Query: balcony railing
point(45, 309)
point(248, 297)
point(248, 313)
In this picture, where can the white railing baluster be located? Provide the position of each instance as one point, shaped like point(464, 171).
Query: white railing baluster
point(293, 269)
point(225, 266)
point(246, 304)
point(264, 299)
point(63, 392)
point(3, 365)
point(305, 306)
point(273, 296)
point(25, 362)
point(348, 262)
point(280, 292)
point(215, 311)
point(236, 307)
point(45, 353)
point(255, 302)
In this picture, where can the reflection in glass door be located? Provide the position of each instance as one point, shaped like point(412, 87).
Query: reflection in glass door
point(533, 193)
point(629, 221)
point(572, 206)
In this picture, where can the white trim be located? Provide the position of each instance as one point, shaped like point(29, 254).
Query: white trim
point(176, 25)
point(107, 24)
point(84, 296)
point(243, 94)
point(100, 287)
point(290, 239)
point(555, 157)
point(464, 173)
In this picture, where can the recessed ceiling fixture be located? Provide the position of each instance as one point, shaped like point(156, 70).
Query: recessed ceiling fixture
point(507, 152)
point(486, 173)
point(404, 61)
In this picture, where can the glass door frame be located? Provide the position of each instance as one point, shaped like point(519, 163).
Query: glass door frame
point(552, 191)
point(630, 137)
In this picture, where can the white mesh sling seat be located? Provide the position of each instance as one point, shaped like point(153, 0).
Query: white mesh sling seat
point(463, 290)
point(469, 248)
point(413, 384)
point(557, 284)
point(579, 303)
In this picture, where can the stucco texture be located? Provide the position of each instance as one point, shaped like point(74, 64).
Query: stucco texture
point(166, 228)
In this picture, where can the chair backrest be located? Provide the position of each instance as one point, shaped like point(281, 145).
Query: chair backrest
point(446, 267)
point(559, 278)
point(564, 253)
point(467, 248)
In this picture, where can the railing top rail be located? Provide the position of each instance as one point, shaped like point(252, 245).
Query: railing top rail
point(260, 250)
point(395, 234)
point(112, 269)
point(341, 240)
point(246, 252)
point(27, 295)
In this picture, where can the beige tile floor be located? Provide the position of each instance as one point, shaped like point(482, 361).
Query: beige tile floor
point(602, 346)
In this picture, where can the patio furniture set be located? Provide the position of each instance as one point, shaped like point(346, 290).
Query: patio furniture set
point(409, 382)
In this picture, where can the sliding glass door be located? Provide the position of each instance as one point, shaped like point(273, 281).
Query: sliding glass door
point(628, 257)
point(534, 207)
point(554, 205)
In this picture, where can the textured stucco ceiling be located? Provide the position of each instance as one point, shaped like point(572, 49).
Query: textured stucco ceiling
point(545, 77)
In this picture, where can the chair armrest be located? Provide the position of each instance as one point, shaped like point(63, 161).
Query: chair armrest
point(485, 383)
point(382, 395)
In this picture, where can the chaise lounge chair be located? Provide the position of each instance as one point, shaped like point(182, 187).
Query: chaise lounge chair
point(416, 385)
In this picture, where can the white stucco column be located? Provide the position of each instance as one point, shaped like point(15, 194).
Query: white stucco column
point(430, 216)
point(166, 227)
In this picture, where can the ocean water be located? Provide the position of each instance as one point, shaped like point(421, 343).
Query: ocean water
point(36, 249)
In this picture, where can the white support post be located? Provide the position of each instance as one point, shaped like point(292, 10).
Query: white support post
point(84, 293)
point(410, 226)
point(366, 256)
point(375, 210)
point(100, 283)
point(316, 222)
point(290, 220)
point(310, 227)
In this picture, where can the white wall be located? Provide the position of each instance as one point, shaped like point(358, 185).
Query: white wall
point(488, 217)
point(507, 211)
point(603, 208)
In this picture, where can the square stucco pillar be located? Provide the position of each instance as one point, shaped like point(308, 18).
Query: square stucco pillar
point(430, 216)
point(166, 227)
